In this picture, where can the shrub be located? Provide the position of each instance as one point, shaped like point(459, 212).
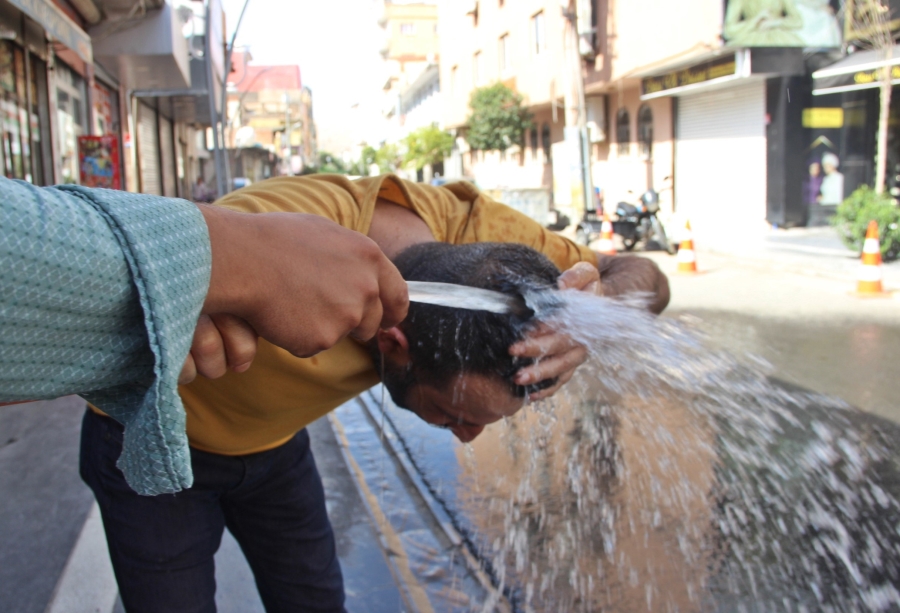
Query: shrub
point(499, 118)
point(862, 206)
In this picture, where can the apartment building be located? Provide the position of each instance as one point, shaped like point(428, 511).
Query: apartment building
point(411, 91)
point(519, 43)
point(270, 127)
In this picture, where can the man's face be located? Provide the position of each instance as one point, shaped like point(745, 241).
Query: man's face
point(466, 405)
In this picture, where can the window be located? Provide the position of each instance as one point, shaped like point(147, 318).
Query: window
point(645, 132)
point(623, 132)
point(21, 146)
point(545, 141)
point(453, 79)
point(407, 29)
point(534, 141)
point(477, 73)
point(503, 53)
point(537, 33)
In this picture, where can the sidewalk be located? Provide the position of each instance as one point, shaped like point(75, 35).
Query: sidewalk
point(807, 251)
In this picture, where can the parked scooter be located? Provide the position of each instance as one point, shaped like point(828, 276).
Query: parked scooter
point(635, 223)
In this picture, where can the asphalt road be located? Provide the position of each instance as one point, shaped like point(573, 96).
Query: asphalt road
point(810, 328)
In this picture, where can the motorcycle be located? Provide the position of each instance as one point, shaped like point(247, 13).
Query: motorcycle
point(635, 223)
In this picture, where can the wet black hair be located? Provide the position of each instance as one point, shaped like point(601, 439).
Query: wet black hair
point(445, 342)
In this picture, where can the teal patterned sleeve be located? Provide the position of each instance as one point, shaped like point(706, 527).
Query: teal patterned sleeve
point(100, 292)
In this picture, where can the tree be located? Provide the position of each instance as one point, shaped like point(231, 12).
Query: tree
point(499, 119)
point(427, 145)
point(871, 20)
point(331, 164)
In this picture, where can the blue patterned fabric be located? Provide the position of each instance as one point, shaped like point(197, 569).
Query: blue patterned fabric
point(100, 292)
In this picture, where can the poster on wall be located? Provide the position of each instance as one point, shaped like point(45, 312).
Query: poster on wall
point(98, 161)
point(782, 23)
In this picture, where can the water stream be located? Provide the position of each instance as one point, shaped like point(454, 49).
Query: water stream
point(672, 477)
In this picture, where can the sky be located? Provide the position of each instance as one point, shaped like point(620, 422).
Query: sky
point(335, 43)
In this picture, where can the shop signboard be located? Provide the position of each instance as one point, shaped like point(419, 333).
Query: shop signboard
point(719, 68)
point(98, 162)
point(782, 23)
point(849, 80)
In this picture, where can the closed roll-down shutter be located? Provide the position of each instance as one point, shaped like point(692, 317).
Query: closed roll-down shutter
point(148, 150)
point(167, 157)
point(720, 162)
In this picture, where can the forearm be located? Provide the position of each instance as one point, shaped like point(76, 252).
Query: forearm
point(70, 317)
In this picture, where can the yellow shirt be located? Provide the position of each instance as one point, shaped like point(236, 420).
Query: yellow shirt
point(281, 394)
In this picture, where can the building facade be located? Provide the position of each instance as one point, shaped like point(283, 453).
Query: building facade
point(99, 93)
point(269, 109)
point(411, 51)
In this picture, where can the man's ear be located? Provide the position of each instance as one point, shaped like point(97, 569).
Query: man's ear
point(394, 345)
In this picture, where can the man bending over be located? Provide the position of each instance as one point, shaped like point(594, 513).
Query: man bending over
point(253, 469)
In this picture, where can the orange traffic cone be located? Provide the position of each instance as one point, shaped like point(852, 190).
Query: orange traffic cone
point(687, 259)
point(868, 283)
point(605, 244)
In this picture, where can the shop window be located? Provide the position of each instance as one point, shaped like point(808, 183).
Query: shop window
point(21, 152)
point(71, 121)
point(645, 132)
point(545, 141)
point(538, 34)
point(623, 132)
point(477, 72)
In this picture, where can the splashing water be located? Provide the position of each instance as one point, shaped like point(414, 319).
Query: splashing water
point(671, 477)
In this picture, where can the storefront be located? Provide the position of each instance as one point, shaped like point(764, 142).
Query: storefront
point(731, 157)
point(25, 147)
point(841, 128)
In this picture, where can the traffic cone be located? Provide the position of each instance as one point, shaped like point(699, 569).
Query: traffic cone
point(605, 244)
point(868, 283)
point(687, 259)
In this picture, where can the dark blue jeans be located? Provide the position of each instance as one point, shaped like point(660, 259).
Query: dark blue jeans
point(162, 546)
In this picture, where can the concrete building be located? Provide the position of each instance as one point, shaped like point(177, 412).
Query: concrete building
point(411, 92)
point(269, 109)
point(109, 93)
point(521, 45)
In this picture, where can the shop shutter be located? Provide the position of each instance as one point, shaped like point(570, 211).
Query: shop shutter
point(720, 163)
point(167, 157)
point(148, 150)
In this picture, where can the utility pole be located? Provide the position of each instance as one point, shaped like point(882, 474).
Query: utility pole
point(575, 105)
point(287, 131)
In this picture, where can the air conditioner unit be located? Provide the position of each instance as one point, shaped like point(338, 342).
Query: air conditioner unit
point(596, 118)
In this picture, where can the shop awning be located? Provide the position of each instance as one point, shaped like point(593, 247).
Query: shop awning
point(58, 25)
point(857, 71)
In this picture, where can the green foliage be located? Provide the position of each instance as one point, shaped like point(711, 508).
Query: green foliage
point(331, 164)
point(427, 145)
point(499, 118)
point(853, 215)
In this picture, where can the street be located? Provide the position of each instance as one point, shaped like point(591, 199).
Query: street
point(807, 326)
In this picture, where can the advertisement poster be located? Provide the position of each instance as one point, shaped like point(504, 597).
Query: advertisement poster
point(98, 161)
point(782, 23)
